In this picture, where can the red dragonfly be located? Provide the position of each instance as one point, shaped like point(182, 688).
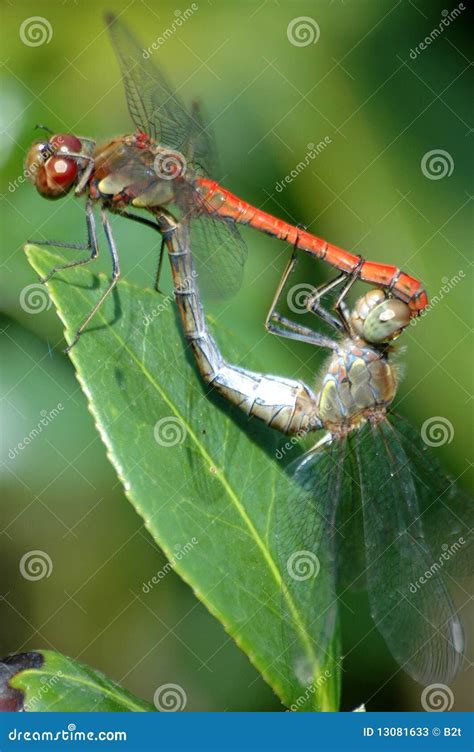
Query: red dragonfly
point(167, 162)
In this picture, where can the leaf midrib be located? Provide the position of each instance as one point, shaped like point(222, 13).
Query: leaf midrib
point(201, 449)
point(97, 688)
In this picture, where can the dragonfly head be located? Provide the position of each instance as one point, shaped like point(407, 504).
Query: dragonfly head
point(49, 168)
point(379, 319)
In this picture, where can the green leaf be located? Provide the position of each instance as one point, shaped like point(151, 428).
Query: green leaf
point(204, 478)
point(44, 681)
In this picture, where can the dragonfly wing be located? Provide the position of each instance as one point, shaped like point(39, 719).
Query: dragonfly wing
point(351, 567)
point(308, 560)
point(412, 609)
point(220, 253)
point(154, 107)
point(201, 145)
point(447, 511)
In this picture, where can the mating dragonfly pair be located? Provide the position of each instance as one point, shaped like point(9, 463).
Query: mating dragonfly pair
point(369, 471)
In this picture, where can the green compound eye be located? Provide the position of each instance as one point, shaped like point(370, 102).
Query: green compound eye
point(378, 319)
point(386, 321)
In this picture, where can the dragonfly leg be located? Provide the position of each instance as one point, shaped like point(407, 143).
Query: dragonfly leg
point(136, 218)
point(91, 245)
point(276, 298)
point(84, 179)
point(277, 324)
point(313, 303)
point(112, 283)
point(340, 305)
point(283, 280)
point(154, 226)
point(342, 320)
point(159, 267)
point(283, 327)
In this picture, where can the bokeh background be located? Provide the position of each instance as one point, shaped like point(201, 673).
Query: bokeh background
point(363, 84)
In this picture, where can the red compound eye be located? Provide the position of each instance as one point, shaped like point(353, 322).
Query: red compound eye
point(62, 170)
point(65, 142)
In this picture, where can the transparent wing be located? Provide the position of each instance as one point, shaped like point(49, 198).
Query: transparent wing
point(447, 511)
point(155, 109)
point(308, 561)
point(351, 567)
point(153, 105)
point(408, 598)
point(201, 145)
point(220, 253)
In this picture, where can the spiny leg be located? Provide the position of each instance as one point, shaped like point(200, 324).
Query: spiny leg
point(281, 284)
point(86, 171)
point(298, 332)
point(84, 179)
point(154, 226)
point(91, 245)
point(313, 304)
point(112, 283)
point(340, 305)
point(159, 267)
point(283, 327)
point(80, 157)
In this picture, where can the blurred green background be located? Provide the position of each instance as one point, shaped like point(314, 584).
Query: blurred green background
point(267, 98)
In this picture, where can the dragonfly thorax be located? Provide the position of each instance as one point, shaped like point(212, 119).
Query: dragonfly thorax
point(135, 170)
point(358, 385)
